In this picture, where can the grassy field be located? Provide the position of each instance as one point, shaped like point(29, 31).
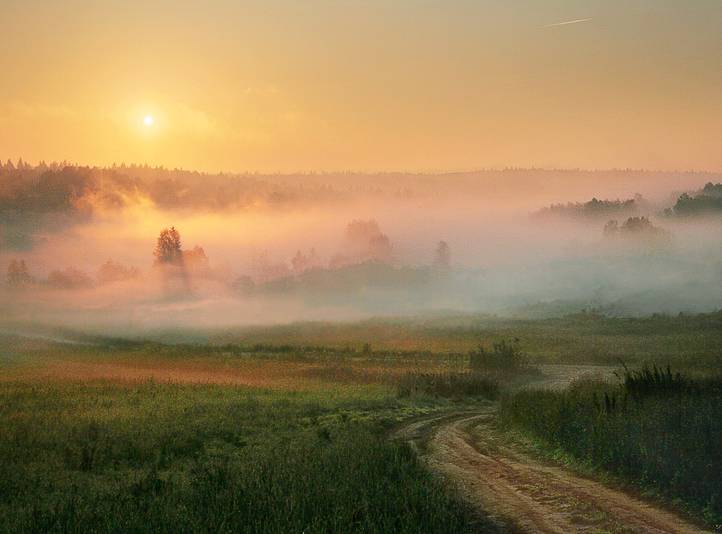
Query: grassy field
point(123, 436)
point(685, 340)
point(102, 456)
point(286, 428)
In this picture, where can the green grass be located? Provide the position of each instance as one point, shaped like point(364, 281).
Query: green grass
point(685, 340)
point(658, 430)
point(313, 454)
point(104, 457)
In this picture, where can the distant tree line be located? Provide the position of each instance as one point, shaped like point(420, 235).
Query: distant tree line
point(18, 276)
point(594, 208)
point(50, 198)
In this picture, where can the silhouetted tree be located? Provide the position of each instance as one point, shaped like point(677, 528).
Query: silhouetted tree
point(18, 275)
point(112, 271)
point(196, 261)
point(595, 208)
point(168, 247)
point(707, 201)
point(636, 228)
point(70, 278)
point(298, 262)
point(442, 259)
point(302, 262)
point(361, 232)
point(314, 259)
point(380, 248)
point(265, 269)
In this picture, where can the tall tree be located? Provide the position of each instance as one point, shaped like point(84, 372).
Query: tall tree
point(168, 247)
point(442, 258)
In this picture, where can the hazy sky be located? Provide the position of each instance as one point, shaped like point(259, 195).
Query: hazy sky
point(364, 85)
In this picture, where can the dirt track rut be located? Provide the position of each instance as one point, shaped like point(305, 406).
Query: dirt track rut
point(520, 493)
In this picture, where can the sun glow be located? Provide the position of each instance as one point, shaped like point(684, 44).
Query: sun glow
point(148, 120)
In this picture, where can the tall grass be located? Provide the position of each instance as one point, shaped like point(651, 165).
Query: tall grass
point(654, 380)
point(691, 340)
point(101, 457)
point(503, 356)
point(455, 385)
point(486, 371)
point(659, 429)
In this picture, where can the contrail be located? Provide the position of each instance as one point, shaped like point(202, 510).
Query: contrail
point(576, 21)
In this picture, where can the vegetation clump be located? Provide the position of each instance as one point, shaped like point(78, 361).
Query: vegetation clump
point(18, 275)
point(503, 356)
point(659, 429)
point(654, 380)
point(448, 385)
point(487, 370)
point(636, 228)
point(707, 201)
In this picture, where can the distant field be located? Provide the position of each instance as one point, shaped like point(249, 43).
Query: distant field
point(686, 340)
point(277, 368)
point(304, 356)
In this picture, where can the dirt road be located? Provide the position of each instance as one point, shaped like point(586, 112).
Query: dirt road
point(520, 493)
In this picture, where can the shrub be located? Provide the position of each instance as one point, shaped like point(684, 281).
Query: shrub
point(504, 355)
point(653, 380)
point(447, 384)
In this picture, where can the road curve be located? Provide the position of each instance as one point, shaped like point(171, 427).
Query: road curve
point(521, 494)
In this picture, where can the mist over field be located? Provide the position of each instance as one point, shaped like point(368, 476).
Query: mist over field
point(282, 248)
point(376, 266)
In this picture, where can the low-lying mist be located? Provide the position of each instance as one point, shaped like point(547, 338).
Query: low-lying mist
point(81, 246)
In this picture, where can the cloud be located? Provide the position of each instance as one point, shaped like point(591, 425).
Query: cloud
point(567, 22)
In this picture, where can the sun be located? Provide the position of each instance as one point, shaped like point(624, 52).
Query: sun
point(148, 120)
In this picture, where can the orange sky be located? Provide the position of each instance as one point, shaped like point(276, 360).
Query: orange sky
point(364, 85)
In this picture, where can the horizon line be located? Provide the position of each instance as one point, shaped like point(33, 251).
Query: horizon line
point(307, 172)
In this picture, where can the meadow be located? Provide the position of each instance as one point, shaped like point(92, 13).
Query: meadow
point(585, 337)
point(164, 457)
point(122, 436)
point(286, 428)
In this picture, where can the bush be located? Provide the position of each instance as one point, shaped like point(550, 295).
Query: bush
point(504, 355)
point(449, 385)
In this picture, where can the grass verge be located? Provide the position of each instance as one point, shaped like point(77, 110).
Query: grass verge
point(657, 430)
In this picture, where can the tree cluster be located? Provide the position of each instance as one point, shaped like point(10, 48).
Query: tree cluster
point(594, 209)
point(18, 275)
point(635, 227)
point(707, 201)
